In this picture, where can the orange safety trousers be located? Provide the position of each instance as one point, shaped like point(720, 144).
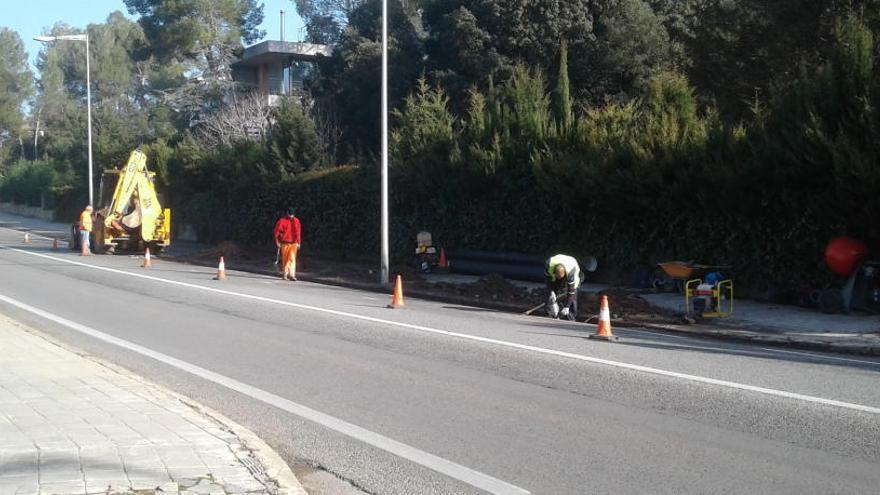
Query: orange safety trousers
point(288, 259)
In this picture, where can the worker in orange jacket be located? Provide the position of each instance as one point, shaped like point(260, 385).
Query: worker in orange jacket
point(288, 237)
point(85, 229)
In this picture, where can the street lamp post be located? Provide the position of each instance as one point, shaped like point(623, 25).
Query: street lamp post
point(81, 37)
point(384, 250)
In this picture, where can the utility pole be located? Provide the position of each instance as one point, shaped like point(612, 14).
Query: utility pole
point(89, 107)
point(384, 263)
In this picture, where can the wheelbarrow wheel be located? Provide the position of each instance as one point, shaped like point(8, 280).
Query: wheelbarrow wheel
point(679, 286)
point(831, 301)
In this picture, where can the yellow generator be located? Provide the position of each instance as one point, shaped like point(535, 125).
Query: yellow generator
point(132, 218)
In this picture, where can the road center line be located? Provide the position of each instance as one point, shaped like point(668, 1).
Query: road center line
point(430, 461)
point(486, 340)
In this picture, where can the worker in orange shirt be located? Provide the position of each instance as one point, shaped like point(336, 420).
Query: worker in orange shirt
point(85, 229)
point(288, 236)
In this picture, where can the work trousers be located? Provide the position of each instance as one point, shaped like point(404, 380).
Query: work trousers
point(84, 241)
point(288, 259)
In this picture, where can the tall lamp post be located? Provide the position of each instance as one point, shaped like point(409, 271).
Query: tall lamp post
point(80, 37)
point(384, 254)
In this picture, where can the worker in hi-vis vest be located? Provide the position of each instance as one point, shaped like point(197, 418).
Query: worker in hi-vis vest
point(85, 229)
point(563, 279)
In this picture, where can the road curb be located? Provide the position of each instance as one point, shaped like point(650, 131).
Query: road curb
point(868, 348)
point(276, 468)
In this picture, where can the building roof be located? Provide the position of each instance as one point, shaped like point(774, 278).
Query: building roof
point(268, 52)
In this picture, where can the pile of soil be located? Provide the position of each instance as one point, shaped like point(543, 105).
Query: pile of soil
point(227, 249)
point(495, 288)
point(492, 288)
point(358, 271)
point(624, 305)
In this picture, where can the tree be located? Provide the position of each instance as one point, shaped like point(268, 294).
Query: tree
point(349, 81)
point(194, 43)
point(424, 144)
point(747, 50)
point(16, 85)
point(326, 19)
point(461, 53)
point(632, 46)
point(203, 30)
point(294, 142)
point(120, 60)
point(246, 118)
point(59, 108)
point(562, 106)
point(124, 114)
point(475, 39)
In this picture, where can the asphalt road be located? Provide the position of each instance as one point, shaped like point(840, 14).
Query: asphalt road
point(439, 398)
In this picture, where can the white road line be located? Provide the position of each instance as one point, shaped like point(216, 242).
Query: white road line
point(430, 461)
point(486, 340)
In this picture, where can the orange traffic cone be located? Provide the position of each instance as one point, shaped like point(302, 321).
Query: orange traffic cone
point(27, 238)
point(397, 300)
point(221, 270)
point(604, 331)
point(443, 263)
point(147, 261)
point(54, 244)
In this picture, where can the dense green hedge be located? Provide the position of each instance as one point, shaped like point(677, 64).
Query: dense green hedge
point(34, 184)
point(633, 184)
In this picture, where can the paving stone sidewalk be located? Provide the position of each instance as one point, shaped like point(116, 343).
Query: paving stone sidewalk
point(74, 426)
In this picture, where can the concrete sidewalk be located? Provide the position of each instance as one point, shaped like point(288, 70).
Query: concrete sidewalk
point(73, 426)
point(854, 333)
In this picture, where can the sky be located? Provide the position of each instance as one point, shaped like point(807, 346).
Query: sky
point(31, 17)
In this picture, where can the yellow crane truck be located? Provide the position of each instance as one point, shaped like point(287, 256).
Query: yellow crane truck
point(132, 218)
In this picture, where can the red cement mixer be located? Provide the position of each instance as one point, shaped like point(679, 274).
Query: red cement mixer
point(847, 258)
point(844, 254)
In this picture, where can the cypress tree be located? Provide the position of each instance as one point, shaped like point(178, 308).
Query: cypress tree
point(562, 96)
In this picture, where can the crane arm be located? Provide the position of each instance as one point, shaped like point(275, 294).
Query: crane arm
point(126, 187)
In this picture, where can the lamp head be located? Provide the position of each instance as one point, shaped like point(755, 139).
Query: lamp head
point(64, 37)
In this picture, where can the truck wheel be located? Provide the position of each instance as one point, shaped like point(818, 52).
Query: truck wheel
point(73, 243)
point(97, 240)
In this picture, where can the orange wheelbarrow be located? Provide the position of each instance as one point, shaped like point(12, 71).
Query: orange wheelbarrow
point(679, 272)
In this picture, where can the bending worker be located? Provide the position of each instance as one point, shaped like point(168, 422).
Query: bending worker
point(288, 236)
point(563, 279)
